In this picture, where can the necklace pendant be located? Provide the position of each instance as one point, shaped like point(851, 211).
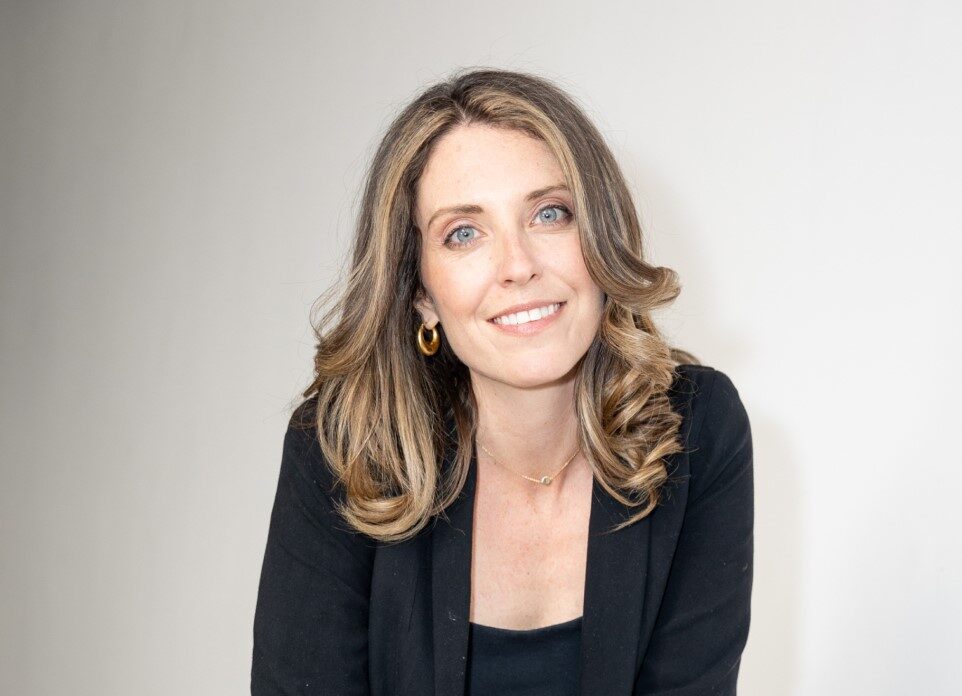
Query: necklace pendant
point(545, 480)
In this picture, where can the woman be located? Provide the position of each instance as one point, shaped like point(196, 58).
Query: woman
point(598, 540)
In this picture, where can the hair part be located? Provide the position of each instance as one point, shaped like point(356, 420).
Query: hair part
point(385, 412)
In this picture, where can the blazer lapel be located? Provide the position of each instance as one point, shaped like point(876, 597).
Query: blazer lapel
point(614, 597)
point(617, 564)
point(451, 589)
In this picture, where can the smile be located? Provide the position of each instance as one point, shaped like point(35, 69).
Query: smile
point(528, 316)
point(528, 322)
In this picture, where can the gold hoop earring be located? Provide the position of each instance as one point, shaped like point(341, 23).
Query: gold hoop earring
point(428, 347)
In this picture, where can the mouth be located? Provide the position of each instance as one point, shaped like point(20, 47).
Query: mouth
point(530, 320)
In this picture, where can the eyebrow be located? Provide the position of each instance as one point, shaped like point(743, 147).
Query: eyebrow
point(474, 209)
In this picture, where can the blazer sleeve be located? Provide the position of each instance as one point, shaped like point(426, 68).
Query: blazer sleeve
point(311, 618)
point(703, 621)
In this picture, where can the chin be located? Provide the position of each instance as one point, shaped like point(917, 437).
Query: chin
point(538, 375)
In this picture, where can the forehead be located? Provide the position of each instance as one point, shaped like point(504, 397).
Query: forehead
point(480, 163)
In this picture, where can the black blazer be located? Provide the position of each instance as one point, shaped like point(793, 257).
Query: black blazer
point(667, 600)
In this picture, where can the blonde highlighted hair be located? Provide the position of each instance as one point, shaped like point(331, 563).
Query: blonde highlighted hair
point(383, 409)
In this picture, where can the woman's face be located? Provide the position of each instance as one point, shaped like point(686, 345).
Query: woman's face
point(498, 231)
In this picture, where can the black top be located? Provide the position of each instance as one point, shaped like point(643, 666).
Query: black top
point(667, 599)
point(535, 662)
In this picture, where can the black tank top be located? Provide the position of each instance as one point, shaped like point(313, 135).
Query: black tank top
point(536, 662)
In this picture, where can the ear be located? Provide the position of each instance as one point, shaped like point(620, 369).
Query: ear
point(425, 306)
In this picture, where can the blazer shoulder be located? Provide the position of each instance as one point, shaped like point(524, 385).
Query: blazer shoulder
point(690, 386)
point(304, 417)
point(302, 448)
point(301, 435)
point(720, 430)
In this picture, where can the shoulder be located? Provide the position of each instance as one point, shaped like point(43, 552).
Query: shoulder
point(718, 432)
point(301, 435)
point(302, 451)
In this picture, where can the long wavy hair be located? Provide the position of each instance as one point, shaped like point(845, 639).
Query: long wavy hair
point(384, 410)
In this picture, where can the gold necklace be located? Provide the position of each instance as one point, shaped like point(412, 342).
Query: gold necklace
point(544, 480)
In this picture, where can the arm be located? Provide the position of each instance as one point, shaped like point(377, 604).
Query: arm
point(310, 624)
point(702, 625)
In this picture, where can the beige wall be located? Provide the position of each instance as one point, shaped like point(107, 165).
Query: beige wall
point(177, 182)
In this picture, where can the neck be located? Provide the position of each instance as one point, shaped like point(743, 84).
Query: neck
point(529, 431)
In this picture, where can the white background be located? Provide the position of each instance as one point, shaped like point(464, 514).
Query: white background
point(178, 183)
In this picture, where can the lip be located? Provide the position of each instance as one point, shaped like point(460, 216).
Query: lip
point(531, 327)
point(525, 307)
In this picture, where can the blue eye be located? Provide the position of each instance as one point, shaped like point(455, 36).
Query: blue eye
point(456, 234)
point(455, 239)
point(547, 208)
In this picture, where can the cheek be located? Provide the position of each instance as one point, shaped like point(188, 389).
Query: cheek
point(457, 292)
point(571, 266)
point(575, 272)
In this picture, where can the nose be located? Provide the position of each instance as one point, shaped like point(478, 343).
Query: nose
point(519, 261)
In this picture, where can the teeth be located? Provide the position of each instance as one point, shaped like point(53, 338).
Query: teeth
point(530, 315)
